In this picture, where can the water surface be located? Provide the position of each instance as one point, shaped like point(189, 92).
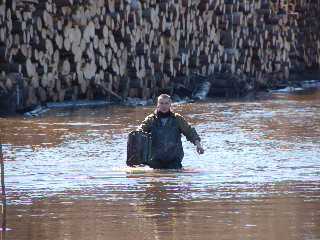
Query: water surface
point(66, 176)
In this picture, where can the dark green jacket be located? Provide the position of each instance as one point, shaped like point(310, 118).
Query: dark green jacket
point(181, 124)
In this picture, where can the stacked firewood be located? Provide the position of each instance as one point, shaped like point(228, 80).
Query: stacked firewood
point(71, 49)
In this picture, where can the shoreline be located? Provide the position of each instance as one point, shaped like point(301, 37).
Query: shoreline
point(294, 86)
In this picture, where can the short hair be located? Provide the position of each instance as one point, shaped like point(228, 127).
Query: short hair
point(163, 96)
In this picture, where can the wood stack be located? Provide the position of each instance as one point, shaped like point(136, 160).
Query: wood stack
point(70, 49)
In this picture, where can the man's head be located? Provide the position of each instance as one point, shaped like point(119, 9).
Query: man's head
point(164, 103)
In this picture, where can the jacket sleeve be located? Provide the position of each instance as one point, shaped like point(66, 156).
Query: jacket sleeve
point(187, 130)
point(146, 125)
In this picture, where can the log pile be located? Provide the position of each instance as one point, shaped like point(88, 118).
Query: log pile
point(72, 49)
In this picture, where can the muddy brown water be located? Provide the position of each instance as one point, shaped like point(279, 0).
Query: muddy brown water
point(66, 176)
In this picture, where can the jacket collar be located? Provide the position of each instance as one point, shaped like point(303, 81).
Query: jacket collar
point(163, 115)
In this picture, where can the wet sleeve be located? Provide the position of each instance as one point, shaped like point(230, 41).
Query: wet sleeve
point(146, 124)
point(187, 130)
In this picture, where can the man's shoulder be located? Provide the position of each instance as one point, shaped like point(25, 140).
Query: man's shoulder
point(177, 115)
point(150, 117)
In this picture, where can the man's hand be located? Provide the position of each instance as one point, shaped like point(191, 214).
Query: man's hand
point(200, 150)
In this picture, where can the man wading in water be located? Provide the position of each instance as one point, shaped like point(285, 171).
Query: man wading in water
point(166, 128)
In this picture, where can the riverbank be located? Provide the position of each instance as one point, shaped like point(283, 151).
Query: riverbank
point(225, 86)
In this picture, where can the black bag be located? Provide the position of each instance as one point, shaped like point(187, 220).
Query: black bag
point(138, 148)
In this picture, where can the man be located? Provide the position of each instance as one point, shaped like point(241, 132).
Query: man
point(166, 128)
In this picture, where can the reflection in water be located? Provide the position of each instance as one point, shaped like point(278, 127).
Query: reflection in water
point(259, 178)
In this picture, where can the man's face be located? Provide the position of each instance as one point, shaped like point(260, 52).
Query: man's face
point(164, 104)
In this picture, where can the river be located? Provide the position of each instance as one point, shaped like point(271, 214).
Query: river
point(259, 178)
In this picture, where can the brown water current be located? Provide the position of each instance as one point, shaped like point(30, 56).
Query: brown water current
point(66, 177)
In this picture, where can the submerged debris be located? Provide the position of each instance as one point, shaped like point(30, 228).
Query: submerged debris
point(36, 112)
point(201, 91)
point(137, 102)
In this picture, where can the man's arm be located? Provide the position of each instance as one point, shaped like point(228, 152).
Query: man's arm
point(190, 133)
